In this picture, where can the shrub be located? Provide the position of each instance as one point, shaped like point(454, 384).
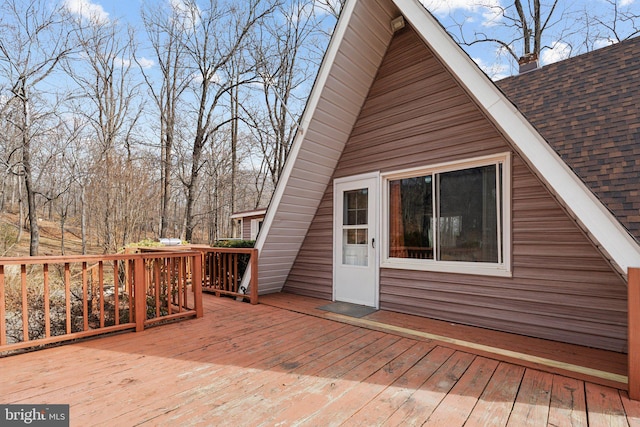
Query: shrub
point(234, 244)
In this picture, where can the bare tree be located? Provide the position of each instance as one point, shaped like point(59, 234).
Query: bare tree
point(210, 51)
point(286, 65)
point(103, 74)
point(35, 41)
point(164, 27)
point(523, 23)
point(333, 7)
point(612, 23)
point(524, 30)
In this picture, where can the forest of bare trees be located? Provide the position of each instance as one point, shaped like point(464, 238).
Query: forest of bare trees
point(126, 133)
point(166, 127)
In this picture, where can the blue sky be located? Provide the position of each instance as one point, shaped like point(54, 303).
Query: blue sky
point(576, 27)
point(566, 35)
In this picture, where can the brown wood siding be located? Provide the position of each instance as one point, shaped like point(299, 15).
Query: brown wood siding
point(562, 288)
point(246, 228)
point(312, 273)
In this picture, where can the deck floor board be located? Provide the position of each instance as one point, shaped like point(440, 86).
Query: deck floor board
point(283, 362)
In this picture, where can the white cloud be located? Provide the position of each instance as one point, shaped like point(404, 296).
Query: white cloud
point(603, 43)
point(146, 63)
point(123, 63)
point(559, 52)
point(119, 62)
point(326, 6)
point(495, 71)
point(187, 14)
point(197, 78)
point(624, 3)
point(491, 10)
point(86, 9)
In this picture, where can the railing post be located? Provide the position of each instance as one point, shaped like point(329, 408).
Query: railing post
point(140, 294)
point(196, 284)
point(254, 277)
point(633, 344)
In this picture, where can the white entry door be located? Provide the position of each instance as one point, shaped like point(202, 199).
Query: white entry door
point(355, 221)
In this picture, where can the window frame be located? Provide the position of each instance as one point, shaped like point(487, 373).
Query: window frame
point(502, 269)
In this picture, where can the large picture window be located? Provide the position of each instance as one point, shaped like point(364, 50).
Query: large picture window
point(451, 217)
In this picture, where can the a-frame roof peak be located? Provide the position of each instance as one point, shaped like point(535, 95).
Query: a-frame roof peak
point(350, 65)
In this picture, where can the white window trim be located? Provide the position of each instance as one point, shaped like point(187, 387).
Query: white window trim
point(255, 227)
point(475, 268)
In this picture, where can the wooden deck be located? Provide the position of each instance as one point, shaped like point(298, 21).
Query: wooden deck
point(283, 362)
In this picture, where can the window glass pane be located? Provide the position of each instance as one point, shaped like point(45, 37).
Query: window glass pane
point(355, 208)
point(468, 220)
point(411, 218)
point(355, 247)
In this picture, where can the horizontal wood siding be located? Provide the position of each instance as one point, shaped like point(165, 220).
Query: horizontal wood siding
point(246, 228)
point(562, 288)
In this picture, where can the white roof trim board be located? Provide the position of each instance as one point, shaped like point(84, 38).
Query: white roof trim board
point(364, 27)
point(245, 214)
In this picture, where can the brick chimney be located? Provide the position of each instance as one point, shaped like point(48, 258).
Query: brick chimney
point(527, 63)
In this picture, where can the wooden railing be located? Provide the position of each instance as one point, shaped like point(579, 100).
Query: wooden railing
point(45, 300)
point(633, 342)
point(224, 268)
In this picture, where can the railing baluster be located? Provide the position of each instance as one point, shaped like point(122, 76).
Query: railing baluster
point(157, 284)
point(3, 310)
point(67, 295)
point(188, 267)
point(181, 282)
point(25, 306)
point(171, 271)
point(85, 298)
point(47, 301)
point(236, 278)
point(101, 291)
point(116, 291)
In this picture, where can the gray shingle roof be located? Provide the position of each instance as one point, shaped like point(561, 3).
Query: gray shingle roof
point(588, 109)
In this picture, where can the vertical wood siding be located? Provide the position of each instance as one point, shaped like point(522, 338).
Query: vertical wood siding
point(416, 115)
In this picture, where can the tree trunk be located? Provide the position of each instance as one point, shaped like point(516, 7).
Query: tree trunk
point(83, 220)
point(62, 220)
point(166, 185)
point(192, 190)
point(34, 232)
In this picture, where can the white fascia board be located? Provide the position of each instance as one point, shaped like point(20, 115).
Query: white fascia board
point(604, 229)
point(314, 98)
point(248, 213)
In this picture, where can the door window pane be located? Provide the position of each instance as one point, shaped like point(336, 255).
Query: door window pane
point(355, 247)
point(356, 205)
point(355, 233)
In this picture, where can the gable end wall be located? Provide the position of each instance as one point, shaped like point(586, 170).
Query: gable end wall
point(416, 115)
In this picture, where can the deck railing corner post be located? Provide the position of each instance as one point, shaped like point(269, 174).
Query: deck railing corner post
point(254, 276)
point(140, 298)
point(196, 284)
point(633, 344)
